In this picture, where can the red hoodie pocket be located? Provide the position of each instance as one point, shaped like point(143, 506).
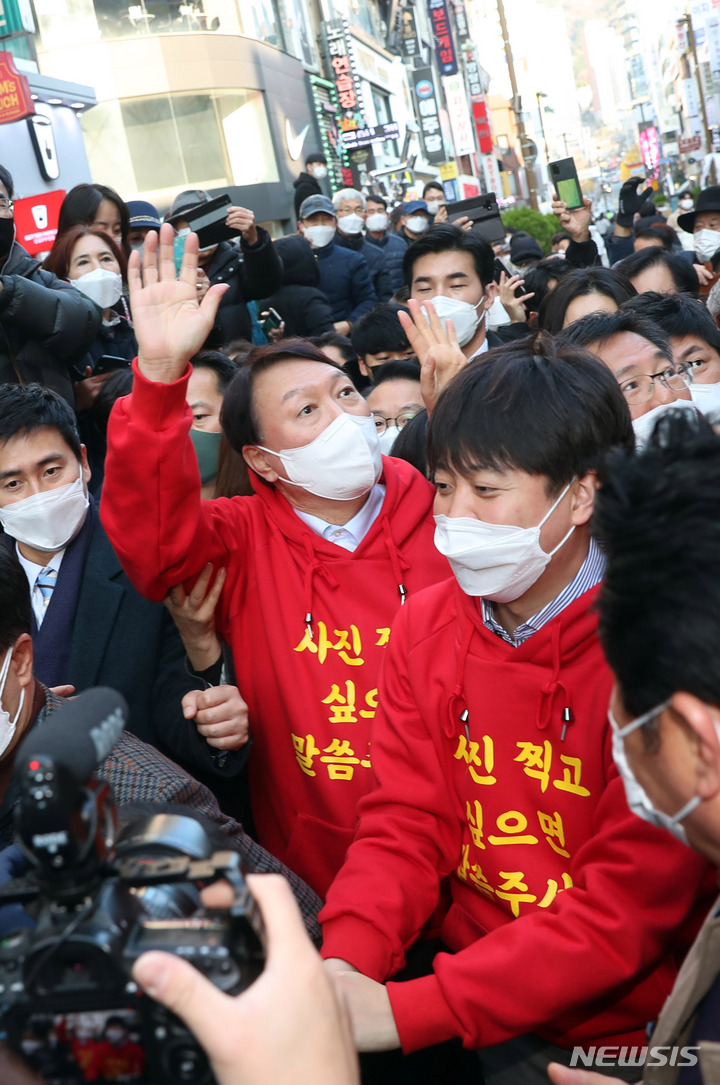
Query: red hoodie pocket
point(316, 851)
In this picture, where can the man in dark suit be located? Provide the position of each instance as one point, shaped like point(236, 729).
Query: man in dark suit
point(89, 625)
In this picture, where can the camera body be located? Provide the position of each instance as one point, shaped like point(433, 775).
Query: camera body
point(99, 904)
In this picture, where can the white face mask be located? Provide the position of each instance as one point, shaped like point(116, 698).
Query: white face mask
point(7, 726)
point(417, 224)
point(352, 224)
point(496, 561)
point(342, 464)
point(377, 221)
point(433, 206)
point(706, 398)
point(319, 172)
point(637, 797)
point(707, 243)
point(645, 424)
point(497, 315)
point(686, 205)
point(101, 286)
point(47, 521)
point(115, 1035)
point(463, 315)
point(319, 236)
point(387, 439)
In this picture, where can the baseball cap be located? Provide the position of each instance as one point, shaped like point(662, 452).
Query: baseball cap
point(415, 205)
point(143, 214)
point(313, 204)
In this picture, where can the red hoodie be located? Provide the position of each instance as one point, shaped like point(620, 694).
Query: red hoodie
point(565, 908)
point(311, 700)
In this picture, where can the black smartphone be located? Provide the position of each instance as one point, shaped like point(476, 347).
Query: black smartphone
point(208, 221)
point(566, 182)
point(272, 320)
point(484, 213)
point(108, 363)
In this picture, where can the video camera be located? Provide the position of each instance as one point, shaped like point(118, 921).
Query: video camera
point(101, 900)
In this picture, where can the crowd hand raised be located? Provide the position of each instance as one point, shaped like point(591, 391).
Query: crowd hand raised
point(513, 305)
point(220, 714)
point(630, 201)
point(86, 390)
point(243, 220)
point(704, 276)
point(194, 615)
point(576, 222)
point(436, 348)
point(170, 324)
point(441, 214)
point(288, 1027)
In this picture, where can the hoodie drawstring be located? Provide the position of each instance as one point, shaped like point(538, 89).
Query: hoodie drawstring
point(313, 566)
point(457, 708)
point(397, 561)
point(554, 686)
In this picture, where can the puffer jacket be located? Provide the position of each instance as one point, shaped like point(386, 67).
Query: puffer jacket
point(46, 326)
point(376, 262)
point(252, 272)
point(345, 280)
point(393, 248)
point(299, 302)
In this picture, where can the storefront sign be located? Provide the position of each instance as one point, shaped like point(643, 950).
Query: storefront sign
point(407, 32)
point(427, 112)
point(366, 137)
point(341, 56)
point(491, 173)
point(687, 146)
point(15, 100)
point(462, 129)
point(36, 220)
point(442, 33)
point(327, 108)
point(650, 148)
point(483, 130)
point(461, 22)
point(448, 171)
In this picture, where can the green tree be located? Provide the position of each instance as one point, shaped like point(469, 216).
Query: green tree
point(541, 227)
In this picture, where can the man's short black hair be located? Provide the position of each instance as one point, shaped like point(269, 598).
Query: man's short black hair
point(657, 516)
point(316, 157)
point(538, 278)
point(447, 238)
point(552, 411)
point(580, 283)
point(15, 605)
point(402, 369)
point(599, 327)
point(677, 315)
point(223, 367)
point(334, 339)
point(377, 199)
point(379, 330)
point(25, 408)
point(7, 181)
point(656, 232)
point(433, 184)
point(561, 235)
point(683, 273)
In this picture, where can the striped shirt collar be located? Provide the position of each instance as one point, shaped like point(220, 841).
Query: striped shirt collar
point(590, 573)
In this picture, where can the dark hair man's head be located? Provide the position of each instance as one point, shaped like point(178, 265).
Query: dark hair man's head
point(26, 408)
point(658, 518)
point(659, 270)
point(379, 337)
point(432, 190)
point(210, 378)
point(315, 159)
point(634, 349)
point(517, 439)
point(657, 235)
point(395, 399)
point(694, 335)
point(450, 263)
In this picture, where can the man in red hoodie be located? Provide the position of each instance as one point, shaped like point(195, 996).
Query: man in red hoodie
point(317, 562)
point(496, 797)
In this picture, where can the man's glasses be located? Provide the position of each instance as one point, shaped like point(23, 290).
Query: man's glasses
point(640, 389)
point(382, 423)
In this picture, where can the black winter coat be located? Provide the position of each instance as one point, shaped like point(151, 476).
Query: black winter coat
point(46, 326)
point(376, 262)
point(393, 248)
point(252, 273)
point(304, 308)
point(305, 185)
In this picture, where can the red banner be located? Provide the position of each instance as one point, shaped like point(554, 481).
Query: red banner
point(482, 126)
point(36, 220)
point(15, 100)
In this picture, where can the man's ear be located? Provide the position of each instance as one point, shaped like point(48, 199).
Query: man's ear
point(363, 368)
point(584, 500)
point(85, 466)
point(492, 291)
point(703, 720)
point(22, 659)
point(260, 462)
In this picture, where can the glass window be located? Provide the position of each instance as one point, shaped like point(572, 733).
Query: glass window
point(298, 34)
point(260, 20)
point(74, 22)
point(155, 146)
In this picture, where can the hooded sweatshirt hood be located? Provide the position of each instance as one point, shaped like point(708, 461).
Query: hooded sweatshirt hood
point(299, 264)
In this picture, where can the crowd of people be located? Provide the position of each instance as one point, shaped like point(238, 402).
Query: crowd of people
point(400, 548)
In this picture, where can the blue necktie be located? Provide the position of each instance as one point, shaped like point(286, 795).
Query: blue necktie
point(46, 581)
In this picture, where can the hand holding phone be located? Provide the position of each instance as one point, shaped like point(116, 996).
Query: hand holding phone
point(567, 183)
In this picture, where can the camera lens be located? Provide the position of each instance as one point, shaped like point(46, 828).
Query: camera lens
point(186, 1064)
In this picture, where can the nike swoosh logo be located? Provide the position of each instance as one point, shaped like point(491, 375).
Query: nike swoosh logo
point(295, 143)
